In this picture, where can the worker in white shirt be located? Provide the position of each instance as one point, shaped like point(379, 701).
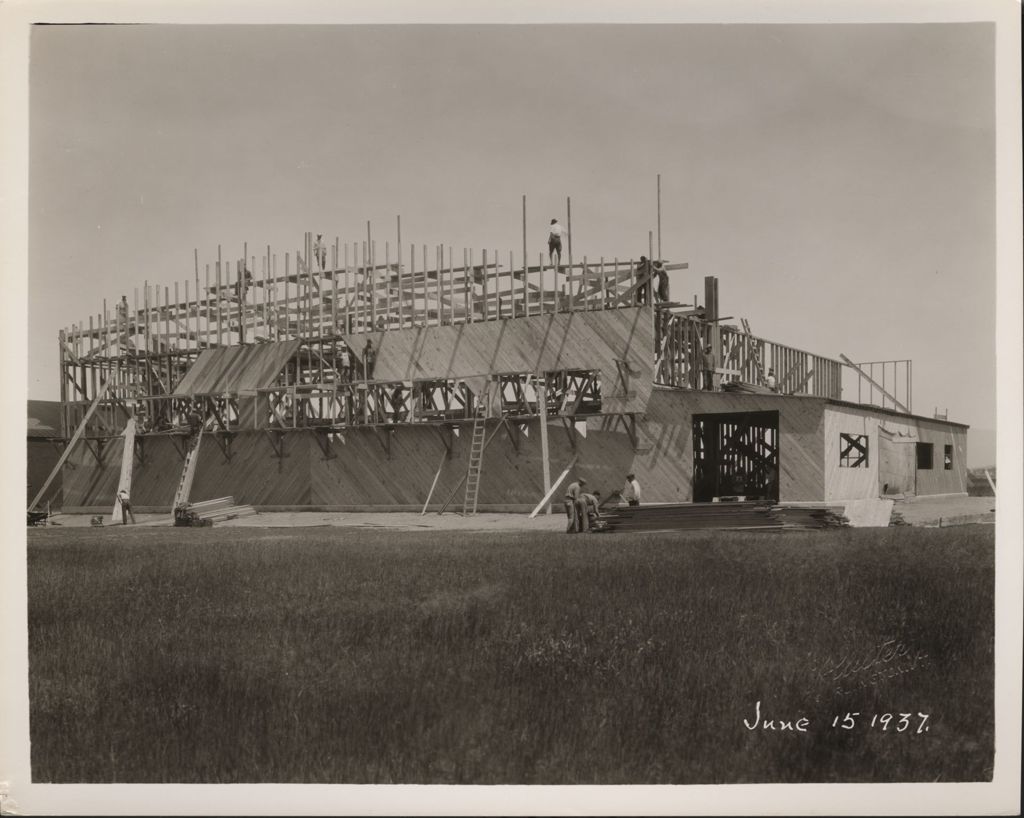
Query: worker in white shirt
point(631, 491)
point(555, 233)
point(575, 508)
point(126, 507)
point(770, 381)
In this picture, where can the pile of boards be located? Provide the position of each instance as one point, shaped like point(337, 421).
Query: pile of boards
point(217, 511)
point(747, 388)
point(793, 516)
point(729, 515)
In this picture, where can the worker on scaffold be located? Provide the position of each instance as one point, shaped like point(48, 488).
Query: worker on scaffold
point(320, 251)
point(643, 281)
point(555, 233)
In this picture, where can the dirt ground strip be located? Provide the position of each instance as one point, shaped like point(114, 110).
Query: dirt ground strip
point(925, 511)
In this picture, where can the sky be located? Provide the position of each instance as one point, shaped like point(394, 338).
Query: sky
point(839, 180)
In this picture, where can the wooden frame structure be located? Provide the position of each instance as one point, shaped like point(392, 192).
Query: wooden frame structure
point(142, 351)
point(484, 346)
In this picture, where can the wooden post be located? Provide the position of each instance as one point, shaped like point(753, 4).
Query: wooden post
point(568, 226)
point(220, 338)
point(604, 286)
point(243, 292)
point(451, 286)
point(467, 284)
point(334, 289)
point(318, 292)
point(583, 285)
point(401, 290)
point(540, 279)
point(287, 294)
point(483, 276)
point(348, 294)
point(542, 405)
point(437, 284)
point(659, 218)
point(426, 291)
point(387, 282)
point(167, 337)
point(512, 282)
point(526, 257)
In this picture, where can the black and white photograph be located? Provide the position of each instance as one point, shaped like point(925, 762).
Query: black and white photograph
point(540, 405)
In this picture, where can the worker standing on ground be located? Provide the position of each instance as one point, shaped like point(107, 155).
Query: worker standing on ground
point(631, 491)
point(575, 509)
point(369, 360)
point(555, 233)
point(592, 510)
point(708, 366)
point(662, 277)
point(126, 507)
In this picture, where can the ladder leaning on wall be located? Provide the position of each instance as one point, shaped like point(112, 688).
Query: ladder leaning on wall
point(188, 472)
point(476, 452)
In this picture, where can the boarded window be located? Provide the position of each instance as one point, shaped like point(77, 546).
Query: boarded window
point(853, 451)
point(947, 458)
point(924, 455)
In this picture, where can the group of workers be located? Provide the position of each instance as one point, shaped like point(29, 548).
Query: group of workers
point(583, 508)
point(347, 362)
point(647, 272)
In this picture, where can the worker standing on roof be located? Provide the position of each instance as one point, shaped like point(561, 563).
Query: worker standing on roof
point(195, 419)
point(770, 381)
point(708, 366)
point(643, 281)
point(320, 251)
point(575, 508)
point(555, 233)
point(122, 321)
point(662, 277)
point(398, 403)
point(369, 360)
point(345, 362)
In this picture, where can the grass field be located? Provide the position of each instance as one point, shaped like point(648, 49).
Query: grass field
point(325, 655)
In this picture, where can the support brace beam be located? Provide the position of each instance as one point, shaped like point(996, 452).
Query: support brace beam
point(873, 382)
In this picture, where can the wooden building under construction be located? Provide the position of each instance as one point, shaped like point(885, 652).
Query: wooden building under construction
point(337, 380)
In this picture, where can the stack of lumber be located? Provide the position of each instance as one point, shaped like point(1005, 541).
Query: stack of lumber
point(897, 519)
point(747, 388)
point(691, 516)
point(809, 516)
point(221, 509)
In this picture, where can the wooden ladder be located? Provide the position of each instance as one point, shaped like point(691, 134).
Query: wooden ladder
point(476, 452)
point(755, 351)
point(188, 472)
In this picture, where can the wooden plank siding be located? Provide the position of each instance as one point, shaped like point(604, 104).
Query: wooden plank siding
point(843, 483)
point(359, 474)
point(236, 368)
point(543, 343)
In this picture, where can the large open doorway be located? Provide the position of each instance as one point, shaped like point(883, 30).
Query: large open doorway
point(736, 454)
